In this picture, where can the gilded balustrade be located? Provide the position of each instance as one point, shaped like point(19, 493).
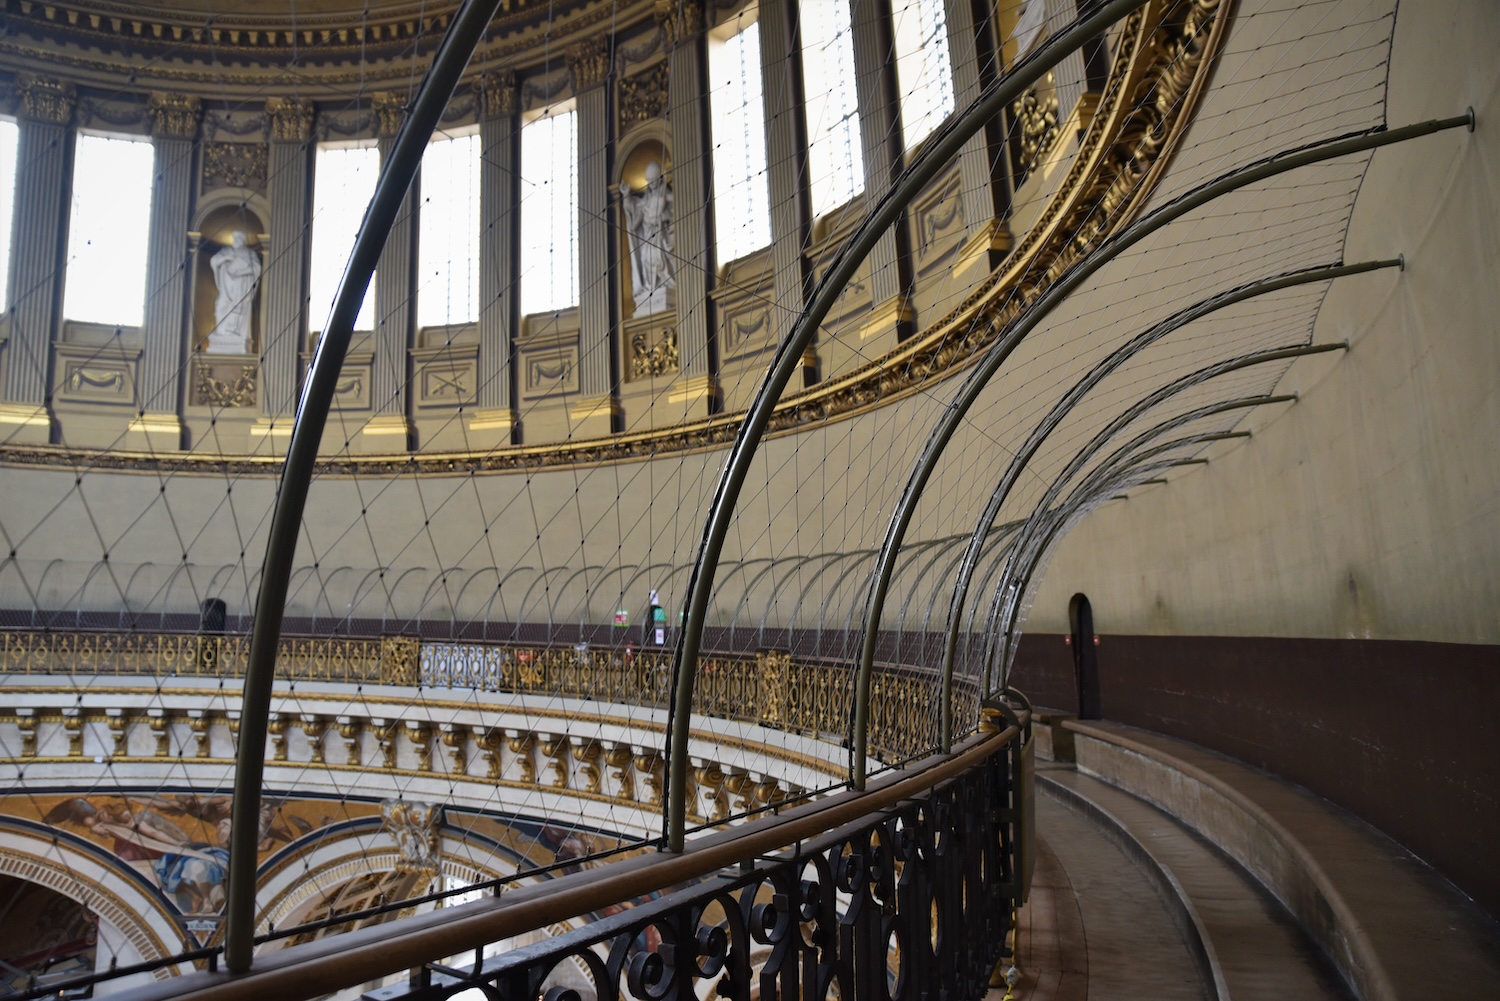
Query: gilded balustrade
point(768, 688)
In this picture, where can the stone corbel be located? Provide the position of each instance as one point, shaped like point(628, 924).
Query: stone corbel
point(555, 747)
point(349, 731)
point(385, 738)
point(419, 733)
point(117, 723)
point(620, 758)
point(26, 723)
point(314, 727)
point(488, 741)
point(456, 740)
point(276, 727)
point(73, 726)
point(649, 762)
point(160, 725)
point(520, 743)
point(199, 722)
point(587, 753)
point(741, 789)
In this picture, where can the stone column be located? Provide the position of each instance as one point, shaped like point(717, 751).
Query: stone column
point(880, 135)
point(44, 164)
point(692, 224)
point(289, 184)
point(598, 411)
point(174, 129)
point(786, 161)
point(983, 181)
point(388, 429)
point(493, 423)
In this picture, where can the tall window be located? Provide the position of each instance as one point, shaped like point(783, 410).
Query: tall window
point(834, 157)
point(448, 239)
point(344, 179)
point(8, 139)
point(549, 209)
point(923, 72)
point(108, 227)
point(742, 204)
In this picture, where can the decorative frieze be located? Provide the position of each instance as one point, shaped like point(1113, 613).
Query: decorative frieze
point(46, 100)
point(234, 165)
point(648, 358)
point(289, 119)
point(174, 116)
point(643, 97)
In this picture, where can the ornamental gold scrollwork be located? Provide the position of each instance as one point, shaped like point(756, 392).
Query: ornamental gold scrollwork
point(227, 393)
point(235, 165)
point(643, 96)
point(1036, 120)
point(647, 359)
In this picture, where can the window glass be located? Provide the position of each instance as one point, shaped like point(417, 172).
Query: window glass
point(742, 213)
point(108, 227)
point(448, 237)
point(8, 139)
point(549, 210)
point(344, 177)
point(834, 158)
point(923, 74)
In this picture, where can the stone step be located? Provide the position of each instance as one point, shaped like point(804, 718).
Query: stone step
point(1246, 944)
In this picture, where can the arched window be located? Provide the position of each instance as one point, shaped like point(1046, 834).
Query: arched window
point(742, 204)
point(549, 209)
point(108, 227)
point(924, 75)
point(344, 176)
point(835, 161)
point(448, 233)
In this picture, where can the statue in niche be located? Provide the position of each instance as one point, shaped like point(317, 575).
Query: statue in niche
point(236, 275)
point(648, 219)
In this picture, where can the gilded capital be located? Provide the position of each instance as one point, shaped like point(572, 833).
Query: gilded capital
point(390, 112)
point(289, 119)
point(498, 94)
point(589, 62)
point(44, 100)
point(174, 116)
point(680, 20)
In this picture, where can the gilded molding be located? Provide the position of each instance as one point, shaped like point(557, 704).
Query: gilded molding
point(390, 113)
point(235, 165)
point(499, 96)
point(46, 100)
point(174, 116)
point(680, 20)
point(1163, 56)
point(589, 63)
point(289, 119)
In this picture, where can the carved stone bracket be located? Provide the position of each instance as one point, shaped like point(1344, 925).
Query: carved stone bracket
point(289, 119)
point(499, 96)
point(44, 100)
point(174, 116)
point(589, 63)
point(680, 20)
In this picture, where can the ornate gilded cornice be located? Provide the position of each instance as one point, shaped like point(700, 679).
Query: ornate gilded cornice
point(680, 20)
point(499, 96)
point(289, 119)
point(390, 112)
point(174, 116)
point(46, 100)
point(589, 63)
point(1163, 57)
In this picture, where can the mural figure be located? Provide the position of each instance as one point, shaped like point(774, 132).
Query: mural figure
point(236, 275)
point(648, 219)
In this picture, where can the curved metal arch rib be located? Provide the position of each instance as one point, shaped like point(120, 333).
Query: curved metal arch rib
point(981, 374)
point(396, 175)
point(1064, 406)
point(787, 360)
point(1125, 419)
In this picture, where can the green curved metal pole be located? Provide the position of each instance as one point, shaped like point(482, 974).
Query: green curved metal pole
point(980, 375)
point(943, 146)
point(291, 498)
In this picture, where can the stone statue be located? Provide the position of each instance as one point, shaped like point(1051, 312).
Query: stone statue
point(648, 218)
point(236, 274)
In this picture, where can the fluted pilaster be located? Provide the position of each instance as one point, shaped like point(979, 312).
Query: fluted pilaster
point(786, 161)
point(43, 167)
point(982, 188)
point(394, 303)
point(498, 287)
point(289, 186)
point(692, 225)
point(590, 65)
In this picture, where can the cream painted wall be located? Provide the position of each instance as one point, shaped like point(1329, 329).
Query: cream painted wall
point(1371, 508)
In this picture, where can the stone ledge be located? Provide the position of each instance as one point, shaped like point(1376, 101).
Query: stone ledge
point(1394, 928)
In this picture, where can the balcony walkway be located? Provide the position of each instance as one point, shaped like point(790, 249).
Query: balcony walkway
point(1166, 871)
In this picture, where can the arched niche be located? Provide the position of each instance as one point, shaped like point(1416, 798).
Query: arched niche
point(219, 217)
point(647, 143)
